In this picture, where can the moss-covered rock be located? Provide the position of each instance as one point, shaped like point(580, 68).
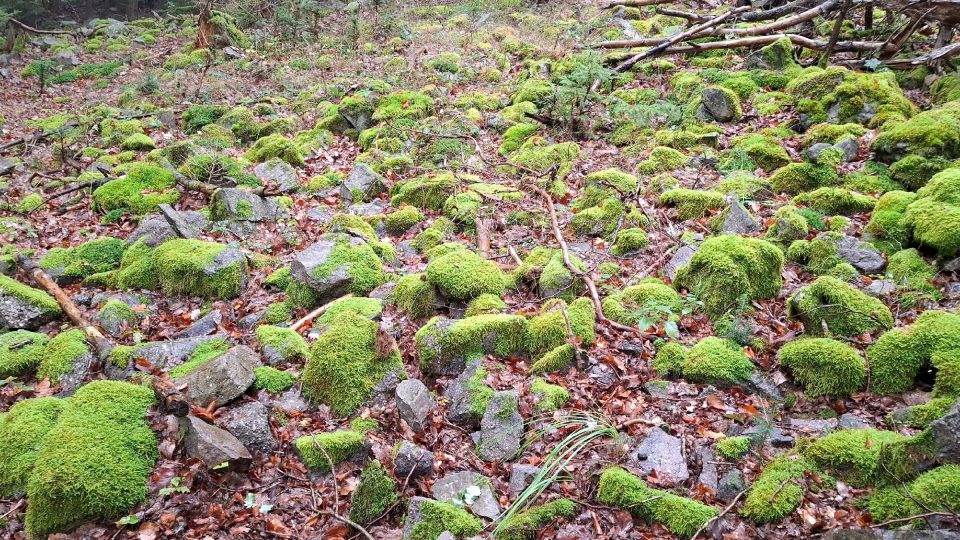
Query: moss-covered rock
point(435, 517)
point(733, 448)
point(64, 354)
point(402, 220)
point(915, 171)
point(273, 380)
point(636, 301)
point(831, 200)
point(460, 274)
point(755, 151)
point(799, 177)
point(322, 451)
point(143, 188)
point(275, 146)
point(403, 104)
point(536, 157)
point(445, 345)
point(778, 491)
point(374, 495)
point(21, 352)
point(811, 360)
point(550, 397)
point(35, 306)
point(485, 304)
point(428, 192)
point(22, 429)
point(94, 463)
point(199, 268)
point(713, 360)
point(679, 515)
point(548, 329)
point(545, 272)
point(852, 455)
point(898, 355)
point(937, 490)
point(95, 256)
point(526, 524)
point(661, 159)
point(629, 241)
point(934, 133)
point(727, 268)
point(838, 95)
point(788, 225)
point(438, 232)
point(934, 216)
point(830, 306)
point(347, 362)
point(345, 255)
point(286, 343)
point(693, 203)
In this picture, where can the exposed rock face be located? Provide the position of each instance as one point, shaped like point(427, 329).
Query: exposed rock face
point(412, 460)
point(414, 404)
point(336, 283)
point(680, 258)
point(459, 409)
point(205, 325)
point(662, 453)
point(18, 314)
point(155, 230)
point(738, 220)
point(457, 487)
point(362, 184)
point(235, 204)
point(280, 173)
point(250, 424)
point(222, 379)
point(864, 257)
point(719, 104)
point(521, 475)
point(212, 445)
point(501, 429)
point(946, 435)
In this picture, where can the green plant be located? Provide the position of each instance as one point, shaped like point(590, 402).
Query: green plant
point(576, 91)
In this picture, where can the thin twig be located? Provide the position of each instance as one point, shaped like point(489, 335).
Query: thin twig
point(316, 313)
point(718, 516)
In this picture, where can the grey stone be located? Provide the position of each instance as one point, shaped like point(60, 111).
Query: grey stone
point(659, 389)
point(179, 223)
point(227, 258)
point(521, 476)
point(386, 389)
point(250, 424)
point(212, 445)
point(864, 257)
point(452, 487)
point(278, 172)
point(414, 404)
point(19, 314)
point(772, 434)
point(946, 435)
point(881, 287)
point(222, 379)
point(66, 58)
point(290, 401)
point(8, 165)
point(362, 184)
point(114, 322)
point(203, 326)
point(952, 290)
point(680, 258)
point(235, 204)
point(709, 476)
point(813, 153)
point(459, 410)
point(813, 426)
point(250, 320)
point(719, 104)
point(155, 229)
point(953, 265)
point(412, 460)
point(171, 352)
point(763, 385)
point(414, 516)
point(321, 214)
point(868, 534)
point(337, 282)
point(851, 421)
point(662, 453)
point(731, 483)
point(850, 148)
point(501, 428)
point(738, 220)
point(367, 209)
point(449, 359)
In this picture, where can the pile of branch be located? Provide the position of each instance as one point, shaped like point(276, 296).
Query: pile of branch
point(792, 20)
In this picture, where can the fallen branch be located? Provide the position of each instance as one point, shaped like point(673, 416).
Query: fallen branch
point(483, 236)
point(633, 3)
point(83, 185)
point(910, 518)
point(775, 13)
point(33, 30)
point(757, 41)
point(187, 183)
point(316, 313)
point(718, 516)
point(101, 344)
point(835, 33)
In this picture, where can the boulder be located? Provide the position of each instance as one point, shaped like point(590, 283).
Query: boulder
point(23, 307)
point(222, 379)
point(362, 184)
point(738, 220)
point(709, 476)
point(521, 476)
point(661, 453)
point(680, 258)
point(412, 460)
point(731, 483)
point(212, 445)
point(851, 421)
point(155, 229)
point(280, 173)
point(863, 256)
point(171, 352)
point(719, 104)
point(235, 204)
point(414, 404)
point(501, 428)
point(459, 410)
point(250, 424)
point(946, 435)
point(335, 283)
point(205, 325)
point(455, 486)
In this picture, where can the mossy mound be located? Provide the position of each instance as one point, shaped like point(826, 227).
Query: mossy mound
point(536, 157)
point(437, 517)
point(199, 268)
point(693, 203)
point(898, 355)
point(94, 462)
point(62, 354)
point(830, 306)
point(346, 363)
point(374, 495)
point(937, 490)
point(838, 95)
point(275, 146)
point(22, 429)
point(825, 367)
point(526, 524)
point(322, 451)
point(460, 274)
point(727, 268)
point(402, 220)
point(750, 152)
point(934, 216)
point(788, 225)
point(680, 515)
point(853, 455)
point(733, 448)
point(444, 345)
point(887, 228)
point(661, 159)
point(273, 380)
point(713, 360)
point(548, 329)
point(778, 491)
point(914, 171)
point(799, 177)
point(544, 271)
point(933, 133)
point(145, 187)
point(21, 352)
point(836, 201)
point(427, 192)
point(95, 256)
point(415, 295)
point(636, 302)
point(289, 344)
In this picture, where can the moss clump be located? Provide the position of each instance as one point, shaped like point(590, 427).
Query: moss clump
point(427, 192)
point(601, 219)
point(920, 416)
point(287, 342)
point(442, 344)
point(358, 226)
point(837, 94)
point(934, 216)
point(557, 359)
point(887, 225)
point(95, 462)
point(370, 308)
point(215, 169)
point(375, 493)
point(836, 201)
point(825, 367)
point(346, 363)
point(524, 525)
point(799, 177)
point(934, 133)
point(634, 302)
point(947, 383)
point(318, 451)
point(515, 136)
point(144, 188)
point(670, 359)
point(629, 241)
point(204, 353)
point(778, 491)
point(29, 203)
point(716, 361)
point(832, 133)
point(788, 225)
point(362, 263)
point(95, 256)
point(830, 306)
point(544, 270)
point(733, 448)
point(461, 274)
point(551, 396)
point(485, 304)
point(753, 151)
point(63, 351)
point(693, 203)
point(851, 454)
point(661, 159)
point(937, 490)
point(548, 329)
point(181, 267)
point(273, 380)
point(536, 157)
point(437, 517)
point(727, 268)
point(197, 116)
point(402, 220)
point(415, 295)
point(680, 515)
point(22, 429)
point(275, 146)
point(21, 352)
point(403, 104)
point(898, 355)
point(138, 142)
point(915, 171)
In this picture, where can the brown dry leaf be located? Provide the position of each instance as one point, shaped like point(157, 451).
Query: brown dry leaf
point(715, 402)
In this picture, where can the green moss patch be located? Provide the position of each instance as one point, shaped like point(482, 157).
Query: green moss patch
point(825, 367)
point(144, 188)
point(898, 355)
point(830, 306)
point(778, 491)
